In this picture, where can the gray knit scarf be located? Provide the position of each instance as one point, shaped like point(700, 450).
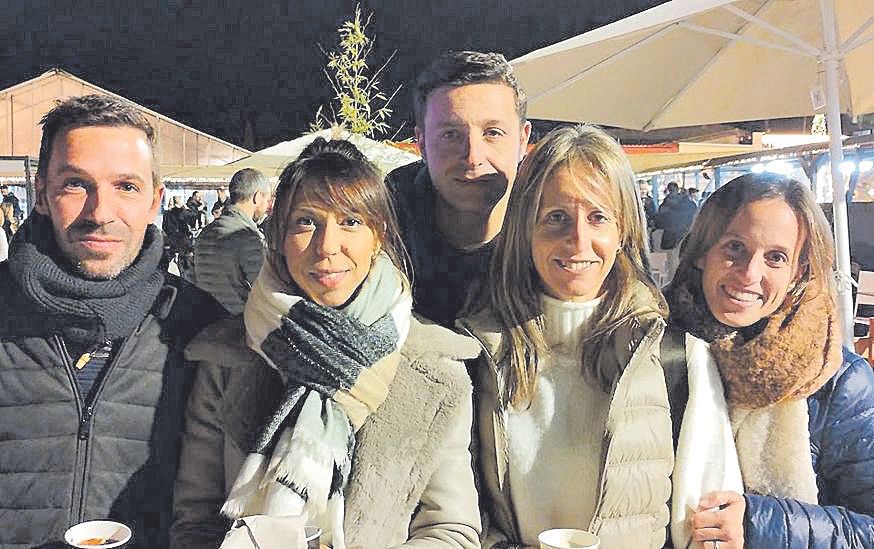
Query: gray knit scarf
point(84, 311)
point(339, 364)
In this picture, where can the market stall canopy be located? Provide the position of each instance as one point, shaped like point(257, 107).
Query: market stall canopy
point(13, 169)
point(852, 146)
point(272, 160)
point(642, 161)
point(269, 165)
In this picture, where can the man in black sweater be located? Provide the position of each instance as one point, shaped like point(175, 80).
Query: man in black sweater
point(472, 133)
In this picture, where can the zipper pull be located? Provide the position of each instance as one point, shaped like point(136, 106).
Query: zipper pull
point(83, 360)
point(99, 350)
point(85, 422)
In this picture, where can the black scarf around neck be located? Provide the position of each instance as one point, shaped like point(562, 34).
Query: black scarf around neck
point(84, 311)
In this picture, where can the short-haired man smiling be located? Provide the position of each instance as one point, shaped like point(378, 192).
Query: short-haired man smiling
point(92, 381)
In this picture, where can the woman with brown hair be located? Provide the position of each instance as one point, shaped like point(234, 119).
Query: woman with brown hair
point(328, 400)
point(574, 426)
point(776, 445)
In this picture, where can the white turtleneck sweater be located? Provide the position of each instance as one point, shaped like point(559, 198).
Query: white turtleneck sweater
point(556, 445)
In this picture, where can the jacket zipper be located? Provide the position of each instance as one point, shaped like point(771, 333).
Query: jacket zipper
point(597, 519)
point(75, 495)
point(86, 415)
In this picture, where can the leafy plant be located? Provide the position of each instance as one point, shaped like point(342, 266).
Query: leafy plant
point(359, 105)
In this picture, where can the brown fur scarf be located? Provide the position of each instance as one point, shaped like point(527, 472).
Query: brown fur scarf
point(786, 356)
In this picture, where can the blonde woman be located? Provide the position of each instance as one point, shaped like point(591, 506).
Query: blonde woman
point(572, 409)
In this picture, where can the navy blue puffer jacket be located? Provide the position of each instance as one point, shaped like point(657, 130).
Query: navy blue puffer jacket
point(842, 446)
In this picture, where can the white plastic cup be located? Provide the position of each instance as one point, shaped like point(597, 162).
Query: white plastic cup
point(313, 535)
point(97, 530)
point(568, 538)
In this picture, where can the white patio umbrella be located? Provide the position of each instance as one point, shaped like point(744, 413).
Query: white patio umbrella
point(691, 62)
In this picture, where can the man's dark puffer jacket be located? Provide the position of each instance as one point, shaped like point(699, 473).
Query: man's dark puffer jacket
point(227, 257)
point(842, 447)
point(60, 464)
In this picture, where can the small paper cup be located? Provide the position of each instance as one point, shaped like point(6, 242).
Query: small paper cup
point(568, 538)
point(78, 534)
point(313, 535)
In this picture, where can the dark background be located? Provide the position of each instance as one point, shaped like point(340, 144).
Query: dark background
point(222, 66)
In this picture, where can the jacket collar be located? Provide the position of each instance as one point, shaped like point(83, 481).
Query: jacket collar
point(427, 337)
point(233, 211)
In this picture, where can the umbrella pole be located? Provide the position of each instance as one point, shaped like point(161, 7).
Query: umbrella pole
point(836, 154)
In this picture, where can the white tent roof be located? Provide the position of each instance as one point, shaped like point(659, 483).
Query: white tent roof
point(272, 160)
point(384, 156)
point(24, 104)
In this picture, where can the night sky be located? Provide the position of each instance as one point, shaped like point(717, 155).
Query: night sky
point(216, 67)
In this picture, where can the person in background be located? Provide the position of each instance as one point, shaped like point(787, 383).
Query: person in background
point(649, 207)
point(776, 445)
point(216, 210)
point(221, 201)
point(672, 195)
point(228, 252)
point(694, 197)
point(675, 216)
point(92, 330)
point(10, 222)
point(11, 199)
point(197, 211)
point(472, 133)
point(354, 413)
point(569, 385)
point(176, 224)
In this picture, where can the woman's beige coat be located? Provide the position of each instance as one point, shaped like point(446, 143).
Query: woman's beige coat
point(632, 503)
point(411, 476)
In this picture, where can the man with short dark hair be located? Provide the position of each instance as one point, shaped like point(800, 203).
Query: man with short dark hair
point(472, 133)
point(11, 199)
point(220, 203)
point(178, 237)
point(197, 211)
point(229, 252)
point(91, 336)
